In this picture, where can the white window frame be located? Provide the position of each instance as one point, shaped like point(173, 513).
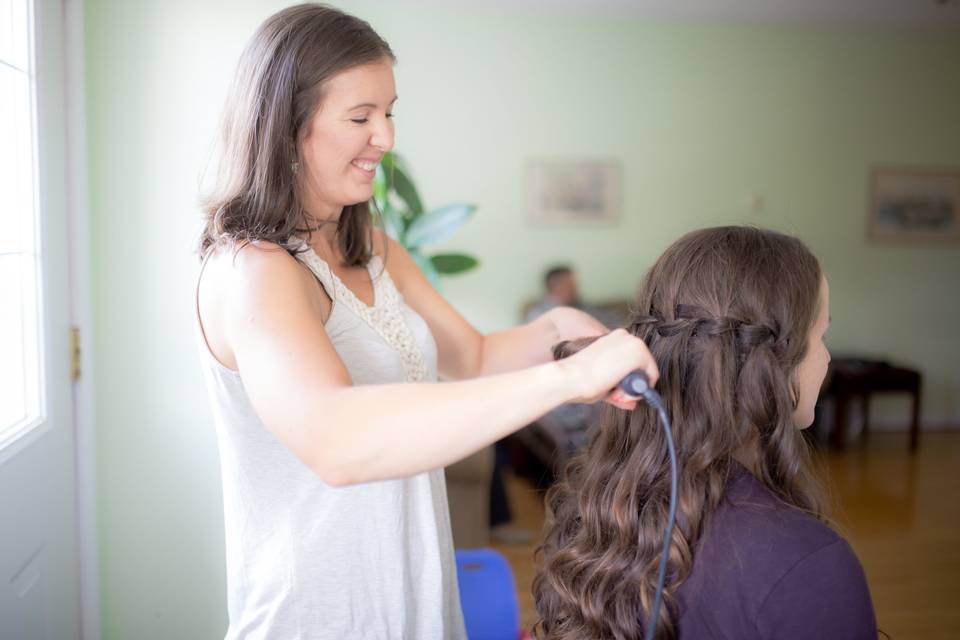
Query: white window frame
point(14, 438)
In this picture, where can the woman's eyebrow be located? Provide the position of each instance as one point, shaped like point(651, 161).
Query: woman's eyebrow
point(370, 105)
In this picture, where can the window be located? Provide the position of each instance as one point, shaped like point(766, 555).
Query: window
point(20, 313)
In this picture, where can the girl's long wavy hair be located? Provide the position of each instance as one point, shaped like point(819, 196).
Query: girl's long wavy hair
point(726, 313)
point(278, 87)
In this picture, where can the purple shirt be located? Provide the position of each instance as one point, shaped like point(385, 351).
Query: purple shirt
point(766, 570)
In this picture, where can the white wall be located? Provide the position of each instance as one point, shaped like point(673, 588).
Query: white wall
point(700, 118)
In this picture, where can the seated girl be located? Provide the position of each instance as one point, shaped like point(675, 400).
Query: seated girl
point(735, 317)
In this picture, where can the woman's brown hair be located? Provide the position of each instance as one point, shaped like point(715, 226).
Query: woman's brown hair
point(726, 313)
point(277, 88)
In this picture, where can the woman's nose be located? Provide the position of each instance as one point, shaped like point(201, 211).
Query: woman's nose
point(383, 135)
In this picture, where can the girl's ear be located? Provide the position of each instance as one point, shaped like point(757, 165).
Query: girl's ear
point(794, 386)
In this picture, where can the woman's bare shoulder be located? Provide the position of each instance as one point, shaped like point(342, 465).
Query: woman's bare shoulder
point(254, 272)
point(252, 263)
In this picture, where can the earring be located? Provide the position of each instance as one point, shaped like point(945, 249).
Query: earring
point(295, 167)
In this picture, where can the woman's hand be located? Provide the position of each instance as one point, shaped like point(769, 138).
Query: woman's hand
point(571, 324)
point(596, 370)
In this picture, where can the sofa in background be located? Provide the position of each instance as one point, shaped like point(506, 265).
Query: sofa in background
point(468, 492)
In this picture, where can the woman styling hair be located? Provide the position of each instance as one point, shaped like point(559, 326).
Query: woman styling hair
point(735, 318)
point(322, 343)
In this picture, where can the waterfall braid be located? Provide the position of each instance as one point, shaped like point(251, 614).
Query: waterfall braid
point(726, 313)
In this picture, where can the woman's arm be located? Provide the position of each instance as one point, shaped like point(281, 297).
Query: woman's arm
point(466, 353)
point(348, 434)
point(533, 343)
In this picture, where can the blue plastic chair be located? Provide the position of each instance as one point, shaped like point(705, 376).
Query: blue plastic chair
point(488, 595)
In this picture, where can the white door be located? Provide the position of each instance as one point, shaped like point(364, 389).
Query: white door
point(38, 559)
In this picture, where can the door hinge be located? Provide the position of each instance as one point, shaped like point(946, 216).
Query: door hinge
point(74, 353)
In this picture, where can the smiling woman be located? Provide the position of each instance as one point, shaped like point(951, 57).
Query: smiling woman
point(344, 141)
point(297, 57)
point(321, 342)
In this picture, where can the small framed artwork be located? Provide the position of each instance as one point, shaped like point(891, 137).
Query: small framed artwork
point(912, 205)
point(562, 192)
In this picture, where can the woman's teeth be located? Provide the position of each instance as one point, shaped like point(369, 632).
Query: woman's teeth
point(366, 166)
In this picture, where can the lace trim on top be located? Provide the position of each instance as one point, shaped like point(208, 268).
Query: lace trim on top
point(385, 316)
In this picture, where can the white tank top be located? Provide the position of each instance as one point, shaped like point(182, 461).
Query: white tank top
point(308, 561)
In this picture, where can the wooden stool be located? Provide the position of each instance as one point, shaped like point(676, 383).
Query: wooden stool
point(850, 378)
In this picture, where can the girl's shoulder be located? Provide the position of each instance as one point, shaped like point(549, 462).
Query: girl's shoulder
point(777, 532)
point(771, 567)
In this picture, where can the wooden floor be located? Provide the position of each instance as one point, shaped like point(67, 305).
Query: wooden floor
point(900, 512)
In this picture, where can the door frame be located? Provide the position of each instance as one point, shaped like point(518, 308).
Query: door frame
point(81, 315)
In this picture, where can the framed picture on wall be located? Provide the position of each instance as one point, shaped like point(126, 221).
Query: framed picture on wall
point(563, 191)
point(911, 205)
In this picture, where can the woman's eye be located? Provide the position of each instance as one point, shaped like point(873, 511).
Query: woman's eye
point(365, 120)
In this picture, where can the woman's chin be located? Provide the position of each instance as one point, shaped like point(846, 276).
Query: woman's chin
point(359, 196)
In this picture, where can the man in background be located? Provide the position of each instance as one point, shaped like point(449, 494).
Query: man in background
point(560, 284)
point(567, 425)
point(561, 290)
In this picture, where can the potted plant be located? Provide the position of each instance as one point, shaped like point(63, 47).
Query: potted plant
point(406, 221)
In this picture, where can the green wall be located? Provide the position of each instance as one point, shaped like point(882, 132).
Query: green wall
point(700, 117)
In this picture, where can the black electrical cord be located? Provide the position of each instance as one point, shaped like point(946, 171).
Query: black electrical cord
point(637, 386)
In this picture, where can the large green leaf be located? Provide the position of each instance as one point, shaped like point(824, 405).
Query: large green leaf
point(380, 188)
point(388, 162)
point(405, 189)
point(451, 263)
point(383, 178)
point(425, 266)
point(438, 225)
